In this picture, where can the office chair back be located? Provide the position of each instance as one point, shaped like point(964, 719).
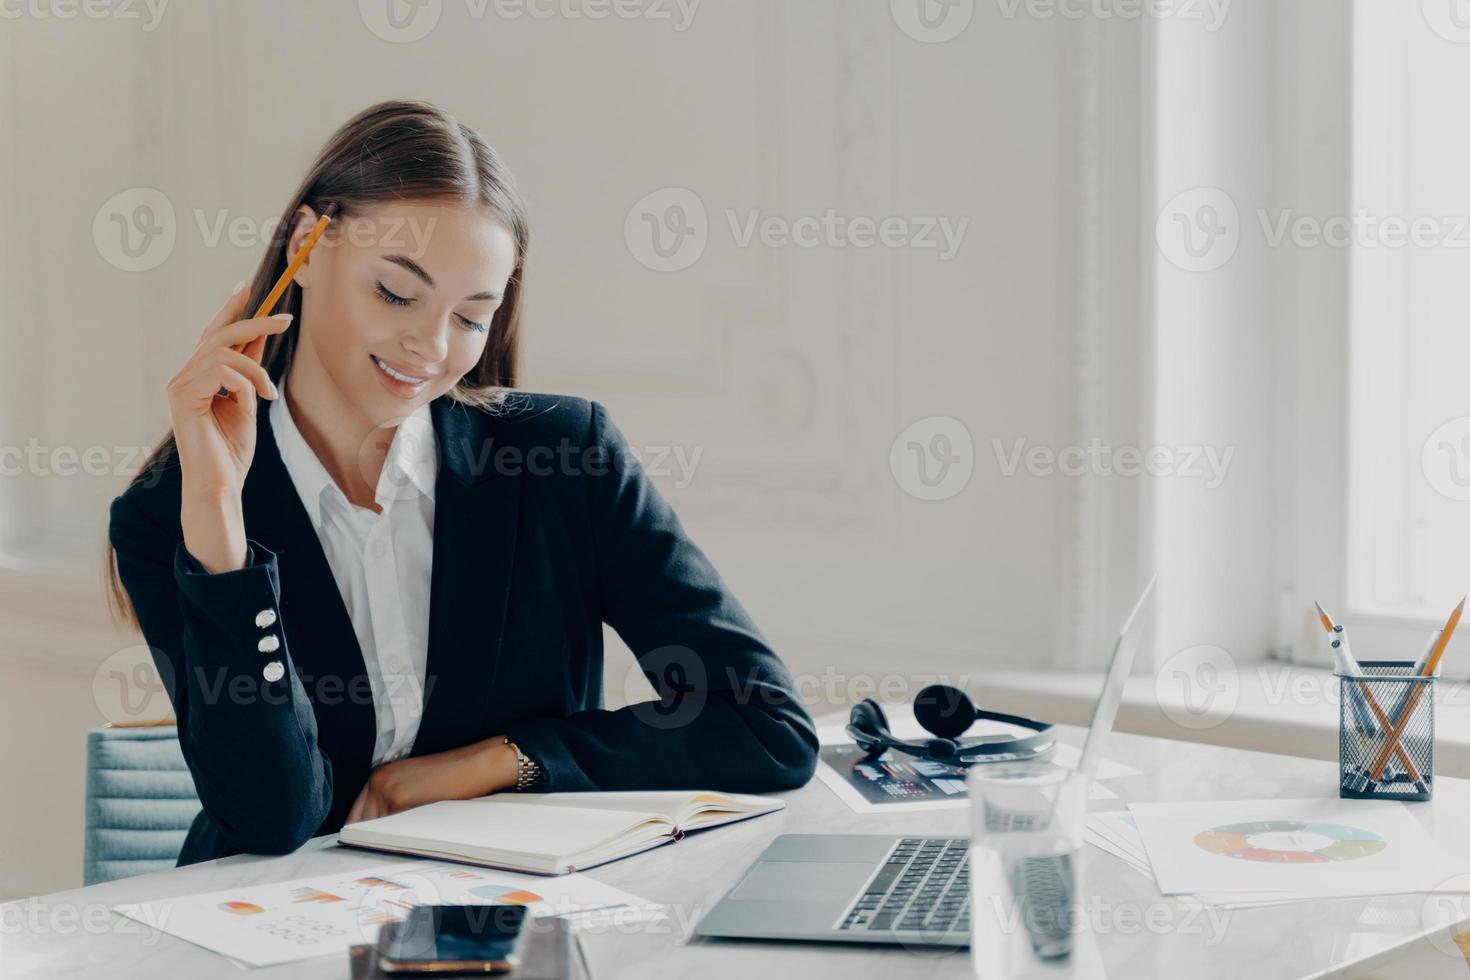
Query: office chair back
point(140, 801)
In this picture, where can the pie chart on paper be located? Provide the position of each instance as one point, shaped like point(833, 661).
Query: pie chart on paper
point(1290, 842)
point(241, 908)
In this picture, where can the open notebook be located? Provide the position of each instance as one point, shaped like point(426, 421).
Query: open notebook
point(551, 833)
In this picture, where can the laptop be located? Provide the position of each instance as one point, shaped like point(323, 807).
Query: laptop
point(905, 889)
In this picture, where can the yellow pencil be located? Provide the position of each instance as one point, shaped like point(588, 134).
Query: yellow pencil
point(1430, 666)
point(274, 296)
point(279, 289)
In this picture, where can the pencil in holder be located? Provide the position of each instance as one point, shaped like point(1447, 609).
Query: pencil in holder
point(1385, 732)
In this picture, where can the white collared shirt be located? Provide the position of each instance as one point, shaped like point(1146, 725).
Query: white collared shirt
point(382, 563)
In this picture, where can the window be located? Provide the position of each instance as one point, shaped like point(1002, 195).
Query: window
point(1408, 538)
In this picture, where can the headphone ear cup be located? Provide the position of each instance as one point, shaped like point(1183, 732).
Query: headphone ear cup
point(868, 725)
point(869, 717)
point(944, 711)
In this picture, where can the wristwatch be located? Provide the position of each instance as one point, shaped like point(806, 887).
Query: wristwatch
point(528, 773)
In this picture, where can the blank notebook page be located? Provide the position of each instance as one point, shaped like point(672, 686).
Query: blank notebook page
point(550, 831)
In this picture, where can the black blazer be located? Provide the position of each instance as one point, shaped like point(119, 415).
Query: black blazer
point(544, 529)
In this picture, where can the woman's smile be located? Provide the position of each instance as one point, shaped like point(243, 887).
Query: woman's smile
point(398, 382)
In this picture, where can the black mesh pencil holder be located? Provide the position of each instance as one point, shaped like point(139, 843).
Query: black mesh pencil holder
point(1385, 733)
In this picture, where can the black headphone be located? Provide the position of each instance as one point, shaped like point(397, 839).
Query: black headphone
point(947, 713)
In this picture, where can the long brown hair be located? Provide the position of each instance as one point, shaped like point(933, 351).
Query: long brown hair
point(392, 151)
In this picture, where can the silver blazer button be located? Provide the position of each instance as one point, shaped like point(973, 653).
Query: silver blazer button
point(274, 671)
point(269, 644)
point(265, 618)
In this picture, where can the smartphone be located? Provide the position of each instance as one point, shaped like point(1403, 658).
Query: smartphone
point(453, 939)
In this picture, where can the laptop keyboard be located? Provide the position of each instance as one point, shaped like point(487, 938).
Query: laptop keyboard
point(923, 886)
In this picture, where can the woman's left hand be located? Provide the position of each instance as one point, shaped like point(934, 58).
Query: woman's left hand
point(460, 774)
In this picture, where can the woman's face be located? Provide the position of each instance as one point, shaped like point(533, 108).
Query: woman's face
point(408, 288)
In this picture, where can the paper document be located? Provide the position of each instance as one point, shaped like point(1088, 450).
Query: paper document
point(262, 925)
point(1312, 848)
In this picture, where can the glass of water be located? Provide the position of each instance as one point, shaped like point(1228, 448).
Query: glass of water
point(1026, 840)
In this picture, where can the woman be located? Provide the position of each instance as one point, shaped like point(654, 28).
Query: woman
point(387, 586)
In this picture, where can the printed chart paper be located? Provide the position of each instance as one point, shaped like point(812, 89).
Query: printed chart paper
point(1116, 833)
point(262, 925)
point(1323, 848)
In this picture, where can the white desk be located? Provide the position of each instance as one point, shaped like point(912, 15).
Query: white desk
point(1293, 941)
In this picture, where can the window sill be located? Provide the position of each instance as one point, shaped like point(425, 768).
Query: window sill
point(1281, 708)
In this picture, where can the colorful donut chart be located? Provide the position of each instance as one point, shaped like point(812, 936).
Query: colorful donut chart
point(1290, 842)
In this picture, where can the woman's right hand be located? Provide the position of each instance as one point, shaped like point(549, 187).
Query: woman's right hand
point(215, 435)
